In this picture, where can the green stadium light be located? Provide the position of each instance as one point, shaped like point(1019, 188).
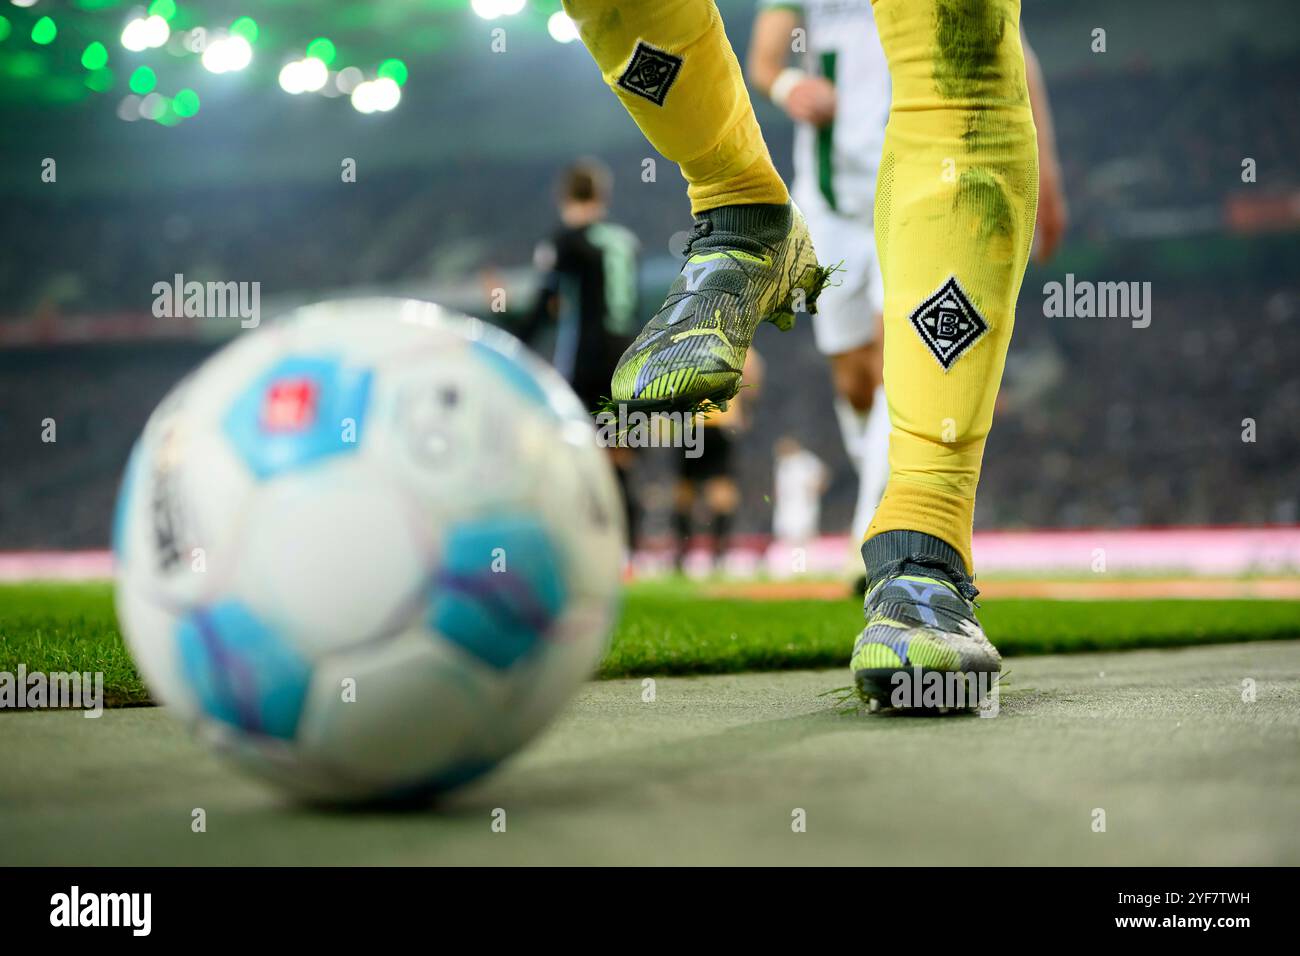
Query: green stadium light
point(5, 28)
point(163, 8)
point(143, 80)
point(245, 27)
point(95, 56)
point(44, 31)
point(394, 69)
point(322, 49)
point(101, 81)
point(185, 103)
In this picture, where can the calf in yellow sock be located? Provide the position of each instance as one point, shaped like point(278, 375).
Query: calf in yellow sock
point(954, 222)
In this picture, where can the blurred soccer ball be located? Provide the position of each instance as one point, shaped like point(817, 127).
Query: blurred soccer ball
point(370, 550)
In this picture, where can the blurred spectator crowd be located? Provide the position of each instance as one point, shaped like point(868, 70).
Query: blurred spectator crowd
point(1192, 420)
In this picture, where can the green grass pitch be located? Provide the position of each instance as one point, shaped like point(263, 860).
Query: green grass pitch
point(670, 627)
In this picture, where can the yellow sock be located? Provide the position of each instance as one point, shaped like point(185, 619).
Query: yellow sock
point(673, 69)
point(955, 207)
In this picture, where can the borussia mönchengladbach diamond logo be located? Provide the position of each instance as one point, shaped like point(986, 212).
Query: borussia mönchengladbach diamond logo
point(650, 73)
point(947, 323)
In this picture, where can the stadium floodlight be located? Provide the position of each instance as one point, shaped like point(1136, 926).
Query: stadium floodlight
point(155, 31)
point(315, 73)
point(135, 35)
point(153, 106)
point(44, 31)
point(291, 77)
point(185, 103)
point(304, 76)
point(363, 97)
point(323, 49)
point(348, 79)
point(561, 27)
point(95, 56)
point(129, 108)
point(143, 80)
point(23, 3)
point(510, 8)
point(239, 52)
point(144, 33)
point(379, 95)
point(387, 94)
point(395, 69)
point(487, 9)
point(227, 54)
point(245, 27)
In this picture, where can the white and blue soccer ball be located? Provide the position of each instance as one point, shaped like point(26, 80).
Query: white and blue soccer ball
point(370, 550)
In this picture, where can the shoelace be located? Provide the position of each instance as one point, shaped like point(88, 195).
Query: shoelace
point(924, 564)
point(702, 228)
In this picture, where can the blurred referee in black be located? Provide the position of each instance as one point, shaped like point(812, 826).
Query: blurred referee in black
point(588, 292)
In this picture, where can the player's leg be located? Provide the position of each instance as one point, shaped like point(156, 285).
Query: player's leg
point(847, 330)
point(842, 329)
point(874, 444)
point(954, 221)
point(624, 461)
point(860, 401)
point(723, 498)
point(589, 382)
point(722, 510)
point(749, 257)
point(855, 375)
point(875, 464)
point(683, 520)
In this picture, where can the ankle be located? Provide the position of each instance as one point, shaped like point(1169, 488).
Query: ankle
point(914, 552)
point(754, 228)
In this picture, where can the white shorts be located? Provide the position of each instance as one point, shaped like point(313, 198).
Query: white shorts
point(855, 295)
point(795, 524)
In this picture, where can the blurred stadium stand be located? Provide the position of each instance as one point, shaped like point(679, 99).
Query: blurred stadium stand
point(1099, 424)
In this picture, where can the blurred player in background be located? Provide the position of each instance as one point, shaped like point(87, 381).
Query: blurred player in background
point(801, 480)
point(839, 97)
point(588, 292)
point(952, 252)
point(711, 473)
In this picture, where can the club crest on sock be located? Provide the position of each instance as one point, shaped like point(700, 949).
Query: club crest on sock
point(948, 323)
point(650, 73)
